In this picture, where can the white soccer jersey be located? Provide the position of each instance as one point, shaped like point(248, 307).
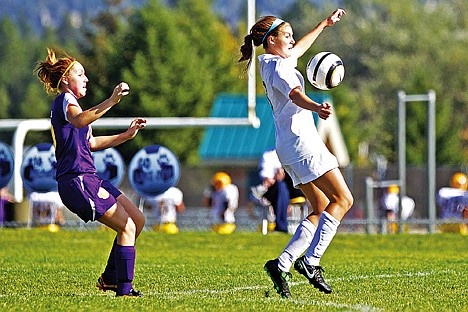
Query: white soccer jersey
point(52, 198)
point(391, 202)
point(451, 202)
point(224, 203)
point(296, 135)
point(269, 164)
point(45, 205)
point(167, 203)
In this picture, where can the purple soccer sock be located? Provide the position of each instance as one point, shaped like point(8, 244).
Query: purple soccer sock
point(125, 265)
point(110, 272)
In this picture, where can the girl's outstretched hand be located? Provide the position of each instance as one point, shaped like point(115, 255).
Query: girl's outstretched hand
point(135, 125)
point(335, 17)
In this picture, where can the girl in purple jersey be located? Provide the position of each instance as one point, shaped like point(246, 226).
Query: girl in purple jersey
point(80, 189)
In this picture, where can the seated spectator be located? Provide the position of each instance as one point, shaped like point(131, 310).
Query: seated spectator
point(273, 188)
point(298, 205)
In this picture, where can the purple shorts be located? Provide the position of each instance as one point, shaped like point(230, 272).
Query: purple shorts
point(88, 196)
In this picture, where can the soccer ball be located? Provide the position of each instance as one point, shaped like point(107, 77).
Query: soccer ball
point(39, 168)
point(325, 70)
point(109, 165)
point(153, 170)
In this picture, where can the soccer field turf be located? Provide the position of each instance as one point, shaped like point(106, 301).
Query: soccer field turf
point(198, 271)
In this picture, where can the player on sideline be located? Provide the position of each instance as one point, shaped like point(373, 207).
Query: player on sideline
point(222, 196)
point(453, 203)
point(300, 149)
point(167, 205)
point(80, 188)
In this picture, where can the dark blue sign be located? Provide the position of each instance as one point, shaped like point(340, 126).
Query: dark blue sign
point(39, 167)
point(110, 165)
point(153, 170)
point(6, 164)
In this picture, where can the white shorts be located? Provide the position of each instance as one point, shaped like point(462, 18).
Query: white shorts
point(309, 169)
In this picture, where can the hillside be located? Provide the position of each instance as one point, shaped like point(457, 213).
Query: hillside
point(50, 13)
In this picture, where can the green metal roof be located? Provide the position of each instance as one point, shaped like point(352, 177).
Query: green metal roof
point(241, 143)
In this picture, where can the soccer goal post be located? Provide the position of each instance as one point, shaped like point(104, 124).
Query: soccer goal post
point(403, 100)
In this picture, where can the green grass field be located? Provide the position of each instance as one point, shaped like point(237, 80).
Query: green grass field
point(43, 271)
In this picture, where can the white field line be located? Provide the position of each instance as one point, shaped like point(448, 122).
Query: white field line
point(257, 287)
point(356, 307)
point(315, 303)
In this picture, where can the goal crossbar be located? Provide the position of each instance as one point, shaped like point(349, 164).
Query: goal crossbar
point(23, 126)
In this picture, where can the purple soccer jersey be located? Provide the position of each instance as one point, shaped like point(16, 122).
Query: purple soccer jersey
point(71, 144)
point(80, 189)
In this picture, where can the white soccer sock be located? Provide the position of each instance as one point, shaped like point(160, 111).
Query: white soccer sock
point(326, 230)
point(297, 245)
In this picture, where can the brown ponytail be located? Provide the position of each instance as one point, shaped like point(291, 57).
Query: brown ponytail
point(51, 70)
point(255, 37)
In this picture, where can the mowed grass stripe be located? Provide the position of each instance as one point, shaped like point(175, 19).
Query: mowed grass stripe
point(42, 271)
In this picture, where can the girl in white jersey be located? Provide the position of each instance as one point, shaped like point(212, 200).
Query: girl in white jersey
point(300, 149)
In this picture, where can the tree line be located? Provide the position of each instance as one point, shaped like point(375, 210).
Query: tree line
point(177, 58)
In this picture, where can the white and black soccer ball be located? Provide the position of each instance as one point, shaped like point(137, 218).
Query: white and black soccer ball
point(325, 71)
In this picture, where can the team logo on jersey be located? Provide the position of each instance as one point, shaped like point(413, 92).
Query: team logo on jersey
point(103, 194)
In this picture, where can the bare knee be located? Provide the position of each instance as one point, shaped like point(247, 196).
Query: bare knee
point(139, 221)
point(347, 201)
point(340, 205)
point(129, 230)
point(142, 220)
point(135, 214)
point(138, 217)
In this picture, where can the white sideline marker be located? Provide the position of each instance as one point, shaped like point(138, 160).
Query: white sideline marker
point(356, 307)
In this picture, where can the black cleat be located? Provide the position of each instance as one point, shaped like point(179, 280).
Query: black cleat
point(313, 274)
point(132, 293)
point(280, 279)
point(104, 286)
